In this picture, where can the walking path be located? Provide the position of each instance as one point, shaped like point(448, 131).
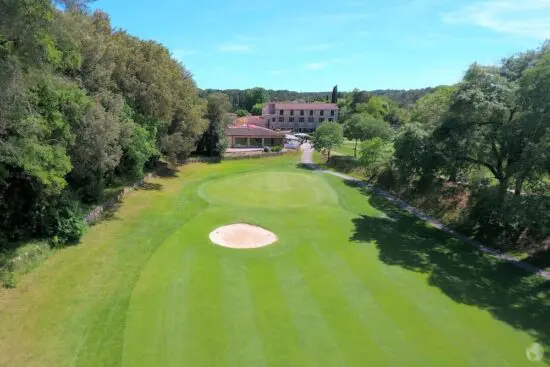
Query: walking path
point(307, 158)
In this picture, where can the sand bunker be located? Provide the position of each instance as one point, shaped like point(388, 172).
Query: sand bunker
point(242, 235)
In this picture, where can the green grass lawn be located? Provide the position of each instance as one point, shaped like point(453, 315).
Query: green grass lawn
point(347, 148)
point(352, 281)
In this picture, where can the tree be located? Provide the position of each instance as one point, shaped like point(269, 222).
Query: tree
point(481, 127)
point(327, 136)
point(414, 153)
point(376, 154)
point(213, 141)
point(257, 109)
point(81, 107)
point(431, 108)
point(254, 96)
point(534, 134)
point(241, 113)
point(334, 97)
point(377, 107)
point(362, 126)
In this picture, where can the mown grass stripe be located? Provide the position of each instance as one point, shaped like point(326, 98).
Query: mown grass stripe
point(204, 343)
point(315, 334)
point(245, 343)
point(433, 317)
point(281, 343)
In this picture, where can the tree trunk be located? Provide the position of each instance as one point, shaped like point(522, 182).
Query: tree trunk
point(454, 175)
point(328, 155)
point(502, 189)
point(519, 186)
point(355, 150)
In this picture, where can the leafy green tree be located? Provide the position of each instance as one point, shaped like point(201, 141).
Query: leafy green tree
point(431, 108)
point(327, 136)
point(334, 97)
point(362, 126)
point(534, 132)
point(414, 151)
point(257, 109)
point(253, 97)
point(377, 107)
point(213, 142)
point(483, 124)
point(376, 153)
point(241, 113)
point(81, 106)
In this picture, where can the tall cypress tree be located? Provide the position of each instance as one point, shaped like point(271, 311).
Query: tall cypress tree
point(334, 98)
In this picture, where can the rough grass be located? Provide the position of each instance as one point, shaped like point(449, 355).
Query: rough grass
point(352, 281)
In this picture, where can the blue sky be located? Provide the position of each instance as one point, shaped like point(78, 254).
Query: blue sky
point(310, 45)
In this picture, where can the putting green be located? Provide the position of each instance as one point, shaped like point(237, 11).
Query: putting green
point(351, 281)
point(269, 190)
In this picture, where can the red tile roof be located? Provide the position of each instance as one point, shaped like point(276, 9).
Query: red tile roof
point(306, 106)
point(255, 120)
point(252, 130)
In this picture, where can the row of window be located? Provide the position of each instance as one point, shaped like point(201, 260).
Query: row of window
point(302, 119)
point(302, 112)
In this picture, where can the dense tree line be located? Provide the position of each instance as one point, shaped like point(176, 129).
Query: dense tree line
point(247, 98)
point(490, 133)
point(83, 106)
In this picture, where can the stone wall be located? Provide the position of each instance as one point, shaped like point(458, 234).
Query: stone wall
point(97, 211)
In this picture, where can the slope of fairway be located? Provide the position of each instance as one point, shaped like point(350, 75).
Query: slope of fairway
point(351, 281)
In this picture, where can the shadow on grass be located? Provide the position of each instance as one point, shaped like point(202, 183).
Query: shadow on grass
point(540, 259)
point(163, 170)
point(149, 186)
point(462, 272)
point(109, 213)
point(308, 166)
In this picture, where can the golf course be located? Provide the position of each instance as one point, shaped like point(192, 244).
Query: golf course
point(350, 281)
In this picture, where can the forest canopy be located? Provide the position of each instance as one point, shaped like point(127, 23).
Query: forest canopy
point(82, 106)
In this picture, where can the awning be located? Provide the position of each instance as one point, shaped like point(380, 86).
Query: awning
point(291, 137)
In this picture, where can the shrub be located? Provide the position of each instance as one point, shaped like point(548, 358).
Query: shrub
point(267, 149)
point(8, 278)
point(276, 148)
point(65, 222)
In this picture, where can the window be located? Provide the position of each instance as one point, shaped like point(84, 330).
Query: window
point(291, 112)
point(280, 112)
point(241, 142)
point(311, 119)
point(301, 119)
point(331, 119)
point(273, 119)
point(322, 113)
point(301, 112)
point(332, 112)
point(255, 142)
point(321, 119)
point(311, 112)
point(291, 119)
point(281, 119)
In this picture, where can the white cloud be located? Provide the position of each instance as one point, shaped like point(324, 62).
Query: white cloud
point(320, 47)
point(529, 18)
point(235, 47)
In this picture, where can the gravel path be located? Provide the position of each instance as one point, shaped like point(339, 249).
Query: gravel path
point(307, 154)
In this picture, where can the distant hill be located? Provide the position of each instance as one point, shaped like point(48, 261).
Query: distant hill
point(401, 96)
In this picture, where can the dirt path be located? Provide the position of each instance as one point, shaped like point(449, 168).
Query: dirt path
point(307, 153)
point(307, 158)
